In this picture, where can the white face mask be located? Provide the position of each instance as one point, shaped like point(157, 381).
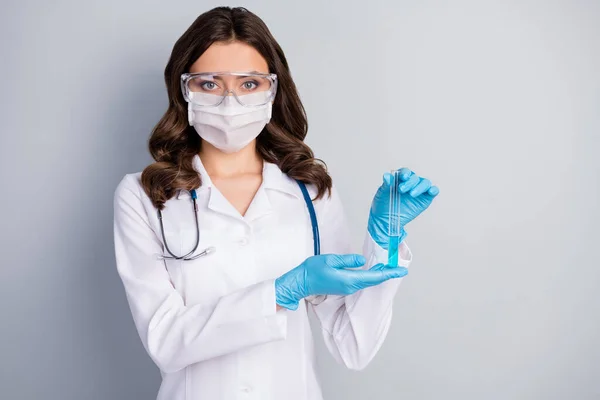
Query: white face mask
point(229, 126)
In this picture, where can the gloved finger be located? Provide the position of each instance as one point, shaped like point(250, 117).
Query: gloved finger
point(381, 267)
point(421, 187)
point(372, 278)
point(405, 173)
point(378, 267)
point(410, 184)
point(339, 261)
point(387, 180)
point(433, 191)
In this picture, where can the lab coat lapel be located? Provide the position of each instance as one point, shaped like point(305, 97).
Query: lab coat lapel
point(273, 179)
point(260, 205)
point(216, 201)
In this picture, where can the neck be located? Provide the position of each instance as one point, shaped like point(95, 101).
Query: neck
point(223, 165)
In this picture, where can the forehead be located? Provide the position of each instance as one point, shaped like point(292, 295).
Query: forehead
point(230, 57)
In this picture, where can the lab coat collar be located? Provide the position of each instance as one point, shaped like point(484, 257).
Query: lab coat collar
point(206, 182)
point(273, 179)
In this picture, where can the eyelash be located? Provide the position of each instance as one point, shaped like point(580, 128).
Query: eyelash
point(253, 82)
point(202, 85)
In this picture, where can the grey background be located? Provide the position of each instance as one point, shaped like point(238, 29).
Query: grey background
point(496, 102)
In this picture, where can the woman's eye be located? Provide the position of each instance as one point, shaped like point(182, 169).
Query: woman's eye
point(249, 85)
point(208, 85)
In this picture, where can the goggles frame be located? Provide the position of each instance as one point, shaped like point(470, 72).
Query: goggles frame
point(186, 77)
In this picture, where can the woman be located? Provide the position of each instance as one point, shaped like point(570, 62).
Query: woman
point(215, 242)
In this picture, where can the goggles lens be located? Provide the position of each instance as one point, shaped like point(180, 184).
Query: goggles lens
point(210, 89)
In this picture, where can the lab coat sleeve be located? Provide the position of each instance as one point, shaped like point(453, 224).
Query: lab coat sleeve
point(173, 334)
point(355, 326)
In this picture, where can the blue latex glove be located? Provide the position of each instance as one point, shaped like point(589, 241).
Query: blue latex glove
point(327, 274)
point(416, 195)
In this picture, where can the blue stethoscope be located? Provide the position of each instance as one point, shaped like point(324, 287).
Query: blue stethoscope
point(186, 257)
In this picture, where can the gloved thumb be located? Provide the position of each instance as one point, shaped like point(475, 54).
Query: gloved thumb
point(387, 179)
point(385, 267)
point(378, 267)
point(394, 272)
point(372, 278)
point(346, 261)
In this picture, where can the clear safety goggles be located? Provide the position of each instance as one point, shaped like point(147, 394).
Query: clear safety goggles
point(210, 88)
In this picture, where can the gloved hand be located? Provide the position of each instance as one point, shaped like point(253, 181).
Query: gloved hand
point(327, 274)
point(416, 195)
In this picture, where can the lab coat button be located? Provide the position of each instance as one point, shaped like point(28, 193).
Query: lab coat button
point(243, 241)
point(246, 389)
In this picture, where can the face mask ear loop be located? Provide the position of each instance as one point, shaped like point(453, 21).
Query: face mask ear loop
point(269, 111)
point(190, 114)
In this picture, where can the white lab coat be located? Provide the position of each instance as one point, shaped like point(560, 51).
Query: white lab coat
point(211, 324)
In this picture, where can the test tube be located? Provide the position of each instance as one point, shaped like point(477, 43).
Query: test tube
point(394, 220)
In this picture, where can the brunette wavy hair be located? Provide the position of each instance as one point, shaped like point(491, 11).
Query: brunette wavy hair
point(173, 142)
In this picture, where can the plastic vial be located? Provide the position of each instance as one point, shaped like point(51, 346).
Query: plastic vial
point(394, 220)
